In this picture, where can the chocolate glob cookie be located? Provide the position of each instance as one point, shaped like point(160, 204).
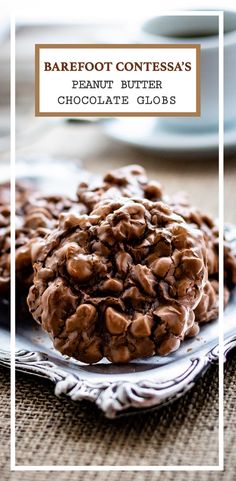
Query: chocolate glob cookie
point(122, 282)
point(122, 271)
point(132, 181)
point(208, 307)
point(38, 216)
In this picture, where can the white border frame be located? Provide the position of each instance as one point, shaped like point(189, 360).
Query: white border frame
point(220, 466)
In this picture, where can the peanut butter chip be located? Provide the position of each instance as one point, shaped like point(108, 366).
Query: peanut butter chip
point(168, 346)
point(161, 266)
point(116, 323)
point(80, 267)
point(193, 330)
point(83, 317)
point(145, 278)
point(120, 354)
point(112, 285)
point(192, 265)
point(123, 260)
point(175, 318)
point(141, 326)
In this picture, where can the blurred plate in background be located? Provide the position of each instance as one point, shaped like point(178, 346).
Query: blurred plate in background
point(149, 133)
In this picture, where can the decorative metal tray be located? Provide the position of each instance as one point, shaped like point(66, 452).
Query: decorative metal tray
point(119, 389)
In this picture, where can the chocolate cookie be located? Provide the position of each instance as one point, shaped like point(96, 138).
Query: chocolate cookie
point(208, 307)
point(22, 192)
point(122, 282)
point(36, 216)
point(39, 216)
point(130, 181)
point(5, 244)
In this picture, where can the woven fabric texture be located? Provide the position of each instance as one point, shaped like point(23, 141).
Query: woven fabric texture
point(52, 431)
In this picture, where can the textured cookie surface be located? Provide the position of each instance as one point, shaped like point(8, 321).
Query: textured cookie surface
point(37, 217)
point(122, 282)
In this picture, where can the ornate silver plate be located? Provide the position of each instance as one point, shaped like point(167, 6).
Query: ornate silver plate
point(120, 389)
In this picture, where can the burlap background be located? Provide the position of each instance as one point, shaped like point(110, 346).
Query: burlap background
point(57, 431)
